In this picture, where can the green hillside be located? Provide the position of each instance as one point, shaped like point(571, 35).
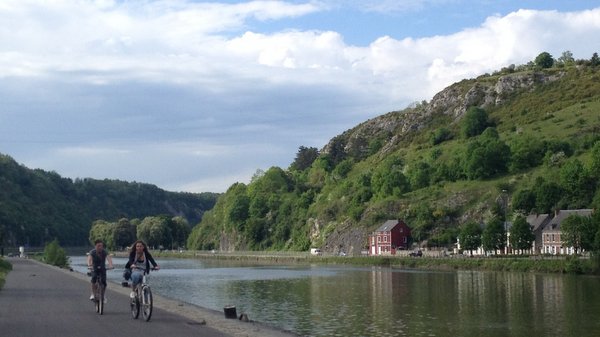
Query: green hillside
point(526, 137)
point(37, 206)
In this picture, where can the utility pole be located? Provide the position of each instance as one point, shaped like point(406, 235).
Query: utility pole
point(505, 206)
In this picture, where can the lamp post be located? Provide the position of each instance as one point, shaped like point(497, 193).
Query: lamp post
point(505, 206)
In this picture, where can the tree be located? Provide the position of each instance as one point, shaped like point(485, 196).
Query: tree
point(544, 60)
point(470, 236)
point(342, 169)
point(440, 135)
point(486, 156)
point(102, 230)
point(180, 230)
point(521, 235)
point(154, 230)
point(474, 122)
point(237, 205)
point(389, 180)
point(304, 158)
point(595, 60)
point(123, 234)
point(419, 175)
point(524, 201)
point(576, 182)
point(566, 58)
point(547, 195)
point(578, 232)
point(336, 150)
point(494, 236)
point(594, 166)
point(526, 152)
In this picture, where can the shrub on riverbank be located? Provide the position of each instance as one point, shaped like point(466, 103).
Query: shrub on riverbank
point(5, 267)
point(55, 255)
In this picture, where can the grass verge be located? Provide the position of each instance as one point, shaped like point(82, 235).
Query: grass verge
point(5, 267)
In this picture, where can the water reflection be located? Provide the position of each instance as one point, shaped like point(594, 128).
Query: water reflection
point(321, 300)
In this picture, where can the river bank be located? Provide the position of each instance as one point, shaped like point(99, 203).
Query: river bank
point(539, 264)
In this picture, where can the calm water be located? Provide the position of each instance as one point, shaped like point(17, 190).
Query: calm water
point(321, 300)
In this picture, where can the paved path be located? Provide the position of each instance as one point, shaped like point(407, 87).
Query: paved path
point(40, 300)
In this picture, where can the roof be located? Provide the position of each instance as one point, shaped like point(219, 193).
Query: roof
point(561, 215)
point(388, 225)
point(537, 221)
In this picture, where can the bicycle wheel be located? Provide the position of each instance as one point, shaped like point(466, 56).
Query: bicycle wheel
point(96, 297)
point(146, 303)
point(101, 299)
point(135, 306)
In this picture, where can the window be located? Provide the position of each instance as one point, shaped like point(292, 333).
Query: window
point(385, 238)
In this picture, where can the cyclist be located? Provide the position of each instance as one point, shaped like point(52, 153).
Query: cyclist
point(97, 258)
point(139, 262)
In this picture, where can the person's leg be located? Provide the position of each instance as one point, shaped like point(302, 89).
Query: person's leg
point(136, 278)
point(94, 276)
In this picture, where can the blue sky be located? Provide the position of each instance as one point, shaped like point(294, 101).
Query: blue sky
point(195, 96)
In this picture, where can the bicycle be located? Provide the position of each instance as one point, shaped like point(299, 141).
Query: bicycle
point(100, 289)
point(142, 301)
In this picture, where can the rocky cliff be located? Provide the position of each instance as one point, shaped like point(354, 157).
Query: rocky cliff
point(453, 101)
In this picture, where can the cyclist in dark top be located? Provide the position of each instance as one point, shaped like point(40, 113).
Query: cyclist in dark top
point(139, 261)
point(97, 257)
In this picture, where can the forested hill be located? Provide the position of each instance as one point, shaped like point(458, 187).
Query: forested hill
point(524, 139)
point(37, 206)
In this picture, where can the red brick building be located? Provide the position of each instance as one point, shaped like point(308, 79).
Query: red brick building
point(393, 235)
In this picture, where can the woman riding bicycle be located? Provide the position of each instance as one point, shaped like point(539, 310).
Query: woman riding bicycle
point(139, 262)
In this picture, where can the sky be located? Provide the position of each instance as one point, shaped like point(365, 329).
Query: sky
point(194, 96)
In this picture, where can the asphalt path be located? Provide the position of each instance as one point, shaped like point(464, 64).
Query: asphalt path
point(40, 300)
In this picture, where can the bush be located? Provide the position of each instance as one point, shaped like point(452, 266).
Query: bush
point(55, 255)
point(5, 267)
point(573, 265)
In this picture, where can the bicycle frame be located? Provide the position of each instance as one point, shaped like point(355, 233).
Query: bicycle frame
point(99, 291)
point(142, 301)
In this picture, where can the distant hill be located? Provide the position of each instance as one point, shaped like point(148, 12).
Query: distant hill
point(37, 206)
point(524, 139)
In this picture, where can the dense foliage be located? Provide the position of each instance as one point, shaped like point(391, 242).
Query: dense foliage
point(161, 231)
point(55, 255)
point(540, 144)
point(37, 206)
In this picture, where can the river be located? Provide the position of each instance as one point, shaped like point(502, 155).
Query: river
point(325, 300)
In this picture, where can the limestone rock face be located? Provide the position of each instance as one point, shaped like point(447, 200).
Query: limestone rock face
point(453, 101)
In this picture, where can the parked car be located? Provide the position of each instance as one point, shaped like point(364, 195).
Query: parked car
point(416, 253)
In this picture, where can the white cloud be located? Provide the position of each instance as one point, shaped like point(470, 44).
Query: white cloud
point(186, 95)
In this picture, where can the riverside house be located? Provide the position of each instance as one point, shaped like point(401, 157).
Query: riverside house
point(551, 242)
point(547, 231)
point(393, 235)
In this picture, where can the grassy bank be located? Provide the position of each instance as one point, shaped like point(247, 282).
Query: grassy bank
point(563, 265)
point(5, 267)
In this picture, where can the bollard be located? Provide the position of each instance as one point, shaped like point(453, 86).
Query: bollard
point(229, 311)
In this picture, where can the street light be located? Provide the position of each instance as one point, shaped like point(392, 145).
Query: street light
point(505, 206)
